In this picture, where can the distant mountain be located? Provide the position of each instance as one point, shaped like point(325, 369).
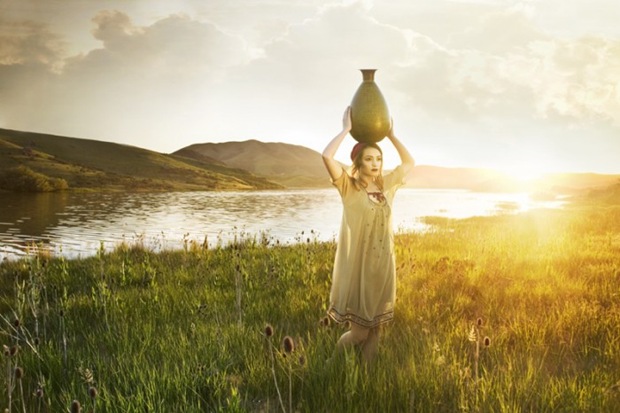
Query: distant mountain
point(298, 166)
point(48, 161)
point(489, 180)
point(286, 164)
point(55, 162)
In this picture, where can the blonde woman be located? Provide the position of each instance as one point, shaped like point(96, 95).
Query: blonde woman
point(363, 287)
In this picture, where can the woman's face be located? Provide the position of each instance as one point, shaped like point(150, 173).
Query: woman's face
point(371, 162)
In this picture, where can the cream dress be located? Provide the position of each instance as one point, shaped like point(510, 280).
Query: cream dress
point(364, 278)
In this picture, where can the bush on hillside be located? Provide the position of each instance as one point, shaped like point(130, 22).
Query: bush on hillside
point(24, 179)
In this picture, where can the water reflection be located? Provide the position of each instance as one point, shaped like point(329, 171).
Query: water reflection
point(75, 224)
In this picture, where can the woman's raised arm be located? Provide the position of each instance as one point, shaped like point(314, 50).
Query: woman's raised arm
point(333, 167)
point(407, 161)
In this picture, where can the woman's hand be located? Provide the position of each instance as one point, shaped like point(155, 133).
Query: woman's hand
point(346, 120)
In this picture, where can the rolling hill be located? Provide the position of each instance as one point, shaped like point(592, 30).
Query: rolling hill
point(298, 166)
point(89, 164)
point(84, 164)
point(286, 164)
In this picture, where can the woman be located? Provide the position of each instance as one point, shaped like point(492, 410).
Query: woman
point(363, 282)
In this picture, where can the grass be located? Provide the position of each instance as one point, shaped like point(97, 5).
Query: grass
point(497, 314)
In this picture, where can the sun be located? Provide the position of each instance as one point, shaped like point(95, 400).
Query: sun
point(524, 173)
point(527, 164)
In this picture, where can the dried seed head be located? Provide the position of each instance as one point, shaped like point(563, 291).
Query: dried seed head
point(14, 350)
point(16, 323)
point(6, 350)
point(37, 341)
point(76, 407)
point(487, 341)
point(39, 392)
point(92, 392)
point(268, 330)
point(302, 360)
point(288, 344)
point(19, 373)
point(325, 321)
point(473, 334)
point(479, 321)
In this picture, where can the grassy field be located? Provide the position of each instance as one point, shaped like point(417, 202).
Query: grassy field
point(498, 314)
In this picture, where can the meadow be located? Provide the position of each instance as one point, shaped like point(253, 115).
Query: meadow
point(511, 313)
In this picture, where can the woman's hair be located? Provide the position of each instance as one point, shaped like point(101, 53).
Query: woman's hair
point(357, 155)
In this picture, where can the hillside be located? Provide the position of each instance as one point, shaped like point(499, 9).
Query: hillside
point(488, 180)
point(298, 166)
point(286, 164)
point(57, 162)
point(88, 164)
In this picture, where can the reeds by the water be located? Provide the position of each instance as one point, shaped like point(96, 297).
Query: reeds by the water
point(503, 314)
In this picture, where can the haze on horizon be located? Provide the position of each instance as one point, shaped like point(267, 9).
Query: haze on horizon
point(523, 86)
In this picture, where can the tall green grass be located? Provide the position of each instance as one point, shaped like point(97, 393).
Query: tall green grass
point(497, 314)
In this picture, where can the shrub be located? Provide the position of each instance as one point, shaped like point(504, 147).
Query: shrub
point(24, 179)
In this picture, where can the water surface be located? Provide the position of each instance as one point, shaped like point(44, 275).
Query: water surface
point(78, 224)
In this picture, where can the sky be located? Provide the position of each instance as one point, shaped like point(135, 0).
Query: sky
point(526, 86)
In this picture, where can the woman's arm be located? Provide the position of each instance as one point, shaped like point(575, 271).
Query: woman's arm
point(333, 167)
point(407, 161)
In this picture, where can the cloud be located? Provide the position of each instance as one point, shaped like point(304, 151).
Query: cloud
point(26, 42)
point(582, 80)
point(137, 74)
point(453, 73)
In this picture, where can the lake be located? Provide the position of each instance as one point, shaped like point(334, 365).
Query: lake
point(79, 224)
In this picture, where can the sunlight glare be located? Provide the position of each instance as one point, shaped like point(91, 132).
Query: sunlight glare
point(524, 173)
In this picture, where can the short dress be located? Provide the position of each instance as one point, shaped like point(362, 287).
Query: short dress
point(363, 287)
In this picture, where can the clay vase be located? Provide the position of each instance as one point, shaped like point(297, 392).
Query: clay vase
point(370, 117)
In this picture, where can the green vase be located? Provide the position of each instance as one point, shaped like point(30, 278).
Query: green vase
point(370, 117)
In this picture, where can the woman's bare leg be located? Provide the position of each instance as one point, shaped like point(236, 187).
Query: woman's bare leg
point(355, 336)
point(371, 345)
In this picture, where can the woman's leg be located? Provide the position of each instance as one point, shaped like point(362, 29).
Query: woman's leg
point(355, 336)
point(371, 345)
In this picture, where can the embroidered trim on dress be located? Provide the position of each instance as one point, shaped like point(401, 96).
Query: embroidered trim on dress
point(378, 196)
point(378, 320)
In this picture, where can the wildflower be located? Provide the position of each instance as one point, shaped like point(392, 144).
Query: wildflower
point(487, 341)
point(92, 392)
point(268, 330)
point(76, 407)
point(288, 344)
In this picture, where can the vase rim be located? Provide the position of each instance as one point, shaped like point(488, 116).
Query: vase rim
point(368, 74)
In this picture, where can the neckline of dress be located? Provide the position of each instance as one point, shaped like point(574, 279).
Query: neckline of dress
point(381, 198)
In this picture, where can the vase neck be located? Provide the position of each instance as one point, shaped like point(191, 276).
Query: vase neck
point(368, 75)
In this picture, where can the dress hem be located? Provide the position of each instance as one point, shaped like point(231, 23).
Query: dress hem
point(375, 322)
